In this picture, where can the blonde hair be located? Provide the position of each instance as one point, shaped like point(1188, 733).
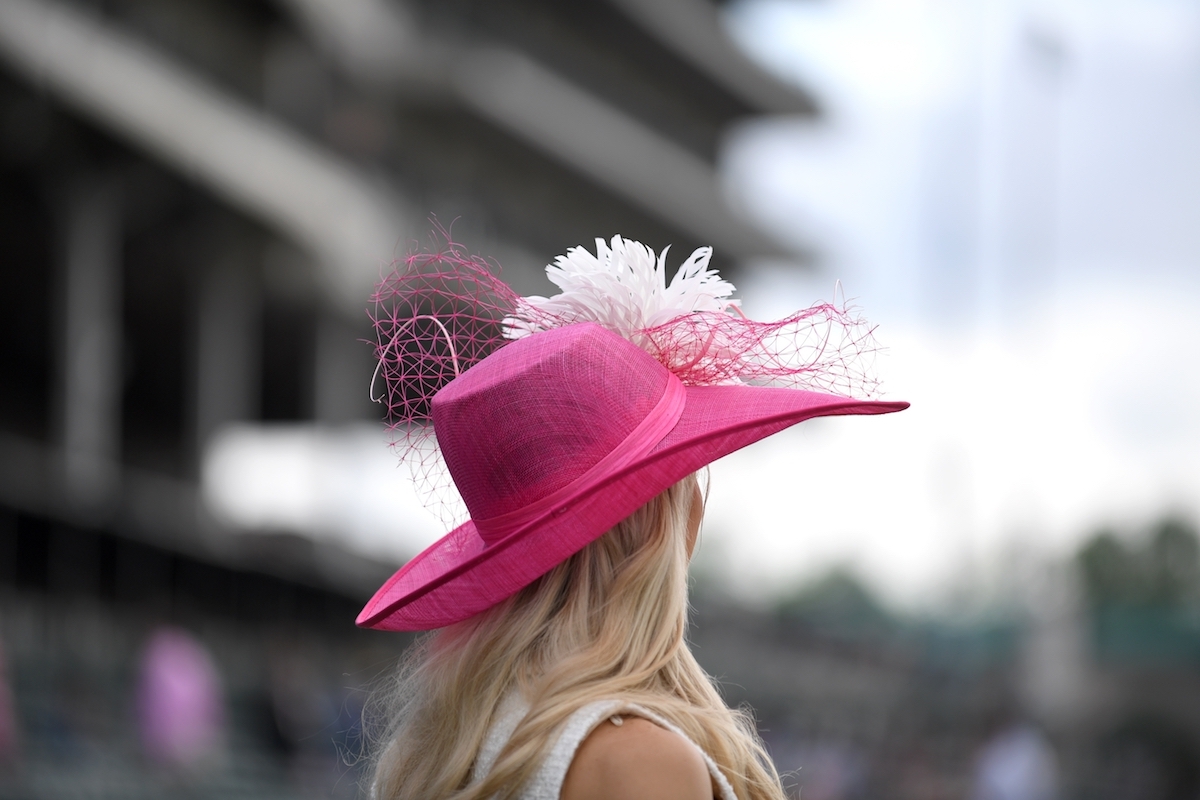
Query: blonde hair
point(607, 623)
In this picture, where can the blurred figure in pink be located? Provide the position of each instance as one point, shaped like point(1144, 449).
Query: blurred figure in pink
point(1018, 763)
point(180, 711)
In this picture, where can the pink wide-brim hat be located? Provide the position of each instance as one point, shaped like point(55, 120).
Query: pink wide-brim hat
point(554, 439)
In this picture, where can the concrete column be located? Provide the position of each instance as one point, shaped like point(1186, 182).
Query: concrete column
point(228, 349)
point(90, 355)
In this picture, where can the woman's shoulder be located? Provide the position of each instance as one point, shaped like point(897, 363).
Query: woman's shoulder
point(636, 759)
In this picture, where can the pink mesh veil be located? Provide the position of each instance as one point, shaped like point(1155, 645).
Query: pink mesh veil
point(822, 348)
point(437, 314)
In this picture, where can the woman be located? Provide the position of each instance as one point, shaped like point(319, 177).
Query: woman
point(560, 668)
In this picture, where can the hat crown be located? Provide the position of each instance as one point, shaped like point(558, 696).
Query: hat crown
point(540, 412)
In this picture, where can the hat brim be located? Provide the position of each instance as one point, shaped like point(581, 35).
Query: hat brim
point(459, 576)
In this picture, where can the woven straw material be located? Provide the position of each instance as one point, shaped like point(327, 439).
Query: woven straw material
point(555, 438)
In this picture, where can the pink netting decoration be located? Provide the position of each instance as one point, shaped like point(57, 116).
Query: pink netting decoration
point(824, 348)
point(435, 316)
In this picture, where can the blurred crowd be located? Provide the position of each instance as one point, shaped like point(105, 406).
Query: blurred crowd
point(108, 700)
point(151, 710)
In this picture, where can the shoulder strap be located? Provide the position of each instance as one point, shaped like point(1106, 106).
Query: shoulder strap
point(718, 777)
point(547, 782)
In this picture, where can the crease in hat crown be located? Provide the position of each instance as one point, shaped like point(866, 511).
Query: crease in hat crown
point(558, 417)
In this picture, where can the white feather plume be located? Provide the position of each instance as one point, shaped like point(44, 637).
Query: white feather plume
point(623, 287)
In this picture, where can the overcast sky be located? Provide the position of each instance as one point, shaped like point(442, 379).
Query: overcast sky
point(1012, 191)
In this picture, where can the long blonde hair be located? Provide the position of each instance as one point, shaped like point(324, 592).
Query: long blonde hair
point(607, 623)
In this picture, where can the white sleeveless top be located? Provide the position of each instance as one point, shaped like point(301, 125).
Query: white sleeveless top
point(546, 784)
